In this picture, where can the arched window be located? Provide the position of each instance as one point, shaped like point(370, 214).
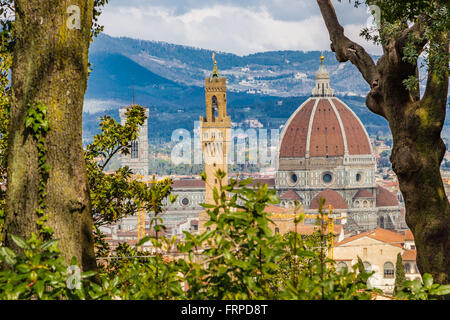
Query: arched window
point(277, 230)
point(381, 222)
point(407, 268)
point(215, 108)
point(134, 149)
point(341, 266)
point(367, 266)
point(389, 270)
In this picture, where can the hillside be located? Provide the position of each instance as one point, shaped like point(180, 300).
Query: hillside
point(169, 79)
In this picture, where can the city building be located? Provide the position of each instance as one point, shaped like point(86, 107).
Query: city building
point(324, 152)
point(378, 249)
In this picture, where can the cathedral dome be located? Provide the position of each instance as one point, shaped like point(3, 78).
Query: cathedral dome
point(324, 126)
point(331, 197)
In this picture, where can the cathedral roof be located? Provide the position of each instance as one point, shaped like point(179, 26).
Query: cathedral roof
point(385, 198)
point(188, 183)
point(363, 193)
point(331, 197)
point(324, 126)
point(290, 195)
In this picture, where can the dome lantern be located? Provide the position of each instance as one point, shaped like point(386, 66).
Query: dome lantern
point(322, 87)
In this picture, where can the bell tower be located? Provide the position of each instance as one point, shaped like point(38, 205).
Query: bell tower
point(215, 130)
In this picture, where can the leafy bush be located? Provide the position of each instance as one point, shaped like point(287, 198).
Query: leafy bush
point(239, 258)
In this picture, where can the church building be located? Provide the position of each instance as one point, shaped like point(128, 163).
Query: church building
point(324, 152)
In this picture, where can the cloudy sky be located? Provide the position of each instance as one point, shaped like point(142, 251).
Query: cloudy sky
point(237, 26)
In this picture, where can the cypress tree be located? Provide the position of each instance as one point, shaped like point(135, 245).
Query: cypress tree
point(399, 275)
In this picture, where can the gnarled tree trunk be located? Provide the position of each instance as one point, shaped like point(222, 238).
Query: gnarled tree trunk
point(416, 126)
point(50, 65)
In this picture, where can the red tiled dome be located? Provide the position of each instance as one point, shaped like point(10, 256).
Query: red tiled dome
point(385, 198)
point(363, 193)
point(331, 126)
point(290, 195)
point(331, 197)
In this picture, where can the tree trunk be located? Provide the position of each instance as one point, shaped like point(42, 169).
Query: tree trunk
point(50, 65)
point(416, 126)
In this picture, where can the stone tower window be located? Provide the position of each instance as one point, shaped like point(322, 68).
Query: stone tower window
point(215, 108)
point(134, 149)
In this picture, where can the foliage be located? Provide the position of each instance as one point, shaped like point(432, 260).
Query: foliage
point(118, 195)
point(38, 273)
point(430, 41)
point(5, 101)
point(239, 258)
point(426, 290)
point(38, 125)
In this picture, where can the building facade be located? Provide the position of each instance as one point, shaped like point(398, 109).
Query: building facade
point(215, 131)
point(324, 152)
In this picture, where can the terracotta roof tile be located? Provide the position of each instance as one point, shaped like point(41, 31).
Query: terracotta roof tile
point(188, 183)
point(331, 197)
point(385, 198)
point(409, 255)
point(307, 229)
point(269, 181)
point(276, 209)
point(393, 238)
point(290, 195)
point(294, 140)
point(363, 193)
point(409, 235)
point(357, 140)
point(326, 133)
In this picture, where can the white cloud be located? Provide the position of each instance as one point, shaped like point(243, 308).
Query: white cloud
point(232, 28)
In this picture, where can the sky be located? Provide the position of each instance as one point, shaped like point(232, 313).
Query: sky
point(237, 26)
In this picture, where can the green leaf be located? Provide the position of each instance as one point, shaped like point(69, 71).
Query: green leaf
point(39, 286)
point(88, 274)
point(8, 256)
point(20, 242)
point(23, 268)
point(441, 290)
point(143, 240)
point(48, 244)
point(207, 206)
point(427, 280)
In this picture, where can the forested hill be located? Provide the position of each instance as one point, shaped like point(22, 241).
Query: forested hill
point(169, 79)
point(280, 73)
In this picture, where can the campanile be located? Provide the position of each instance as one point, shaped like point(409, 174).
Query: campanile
point(215, 131)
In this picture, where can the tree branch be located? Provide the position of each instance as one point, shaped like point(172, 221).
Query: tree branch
point(435, 96)
point(415, 33)
point(345, 49)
